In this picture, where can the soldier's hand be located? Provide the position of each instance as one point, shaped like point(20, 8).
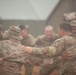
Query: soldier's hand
point(66, 55)
point(1, 60)
point(27, 49)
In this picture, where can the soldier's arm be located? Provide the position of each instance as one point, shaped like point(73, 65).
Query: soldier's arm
point(55, 49)
point(48, 51)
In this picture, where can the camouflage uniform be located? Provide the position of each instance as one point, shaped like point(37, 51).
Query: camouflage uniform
point(29, 41)
point(11, 53)
point(67, 43)
point(8, 52)
point(42, 41)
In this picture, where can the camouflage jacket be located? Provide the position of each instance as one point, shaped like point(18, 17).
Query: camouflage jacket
point(63, 44)
point(66, 43)
point(43, 41)
point(13, 57)
point(28, 41)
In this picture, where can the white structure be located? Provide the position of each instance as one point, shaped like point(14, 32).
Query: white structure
point(26, 9)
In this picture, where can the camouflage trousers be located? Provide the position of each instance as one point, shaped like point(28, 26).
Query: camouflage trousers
point(48, 68)
point(28, 69)
point(44, 62)
point(68, 68)
point(32, 60)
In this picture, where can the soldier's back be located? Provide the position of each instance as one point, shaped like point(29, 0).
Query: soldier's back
point(7, 52)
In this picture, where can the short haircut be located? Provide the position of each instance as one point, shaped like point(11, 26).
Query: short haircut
point(66, 26)
point(24, 27)
point(49, 26)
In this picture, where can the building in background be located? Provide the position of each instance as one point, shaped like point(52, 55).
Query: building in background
point(36, 13)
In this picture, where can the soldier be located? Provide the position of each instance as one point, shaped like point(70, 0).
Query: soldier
point(28, 40)
point(11, 54)
point(66, 43)
point(46, 40)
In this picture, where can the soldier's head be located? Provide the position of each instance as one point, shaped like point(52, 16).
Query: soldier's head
point(49, 31)
point(14, 32)
point(24, 30)
point(64, 29)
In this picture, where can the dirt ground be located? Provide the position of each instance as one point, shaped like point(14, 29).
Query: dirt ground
point(35, 71)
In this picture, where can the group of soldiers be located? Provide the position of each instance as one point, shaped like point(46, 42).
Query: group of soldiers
point(50, 51)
